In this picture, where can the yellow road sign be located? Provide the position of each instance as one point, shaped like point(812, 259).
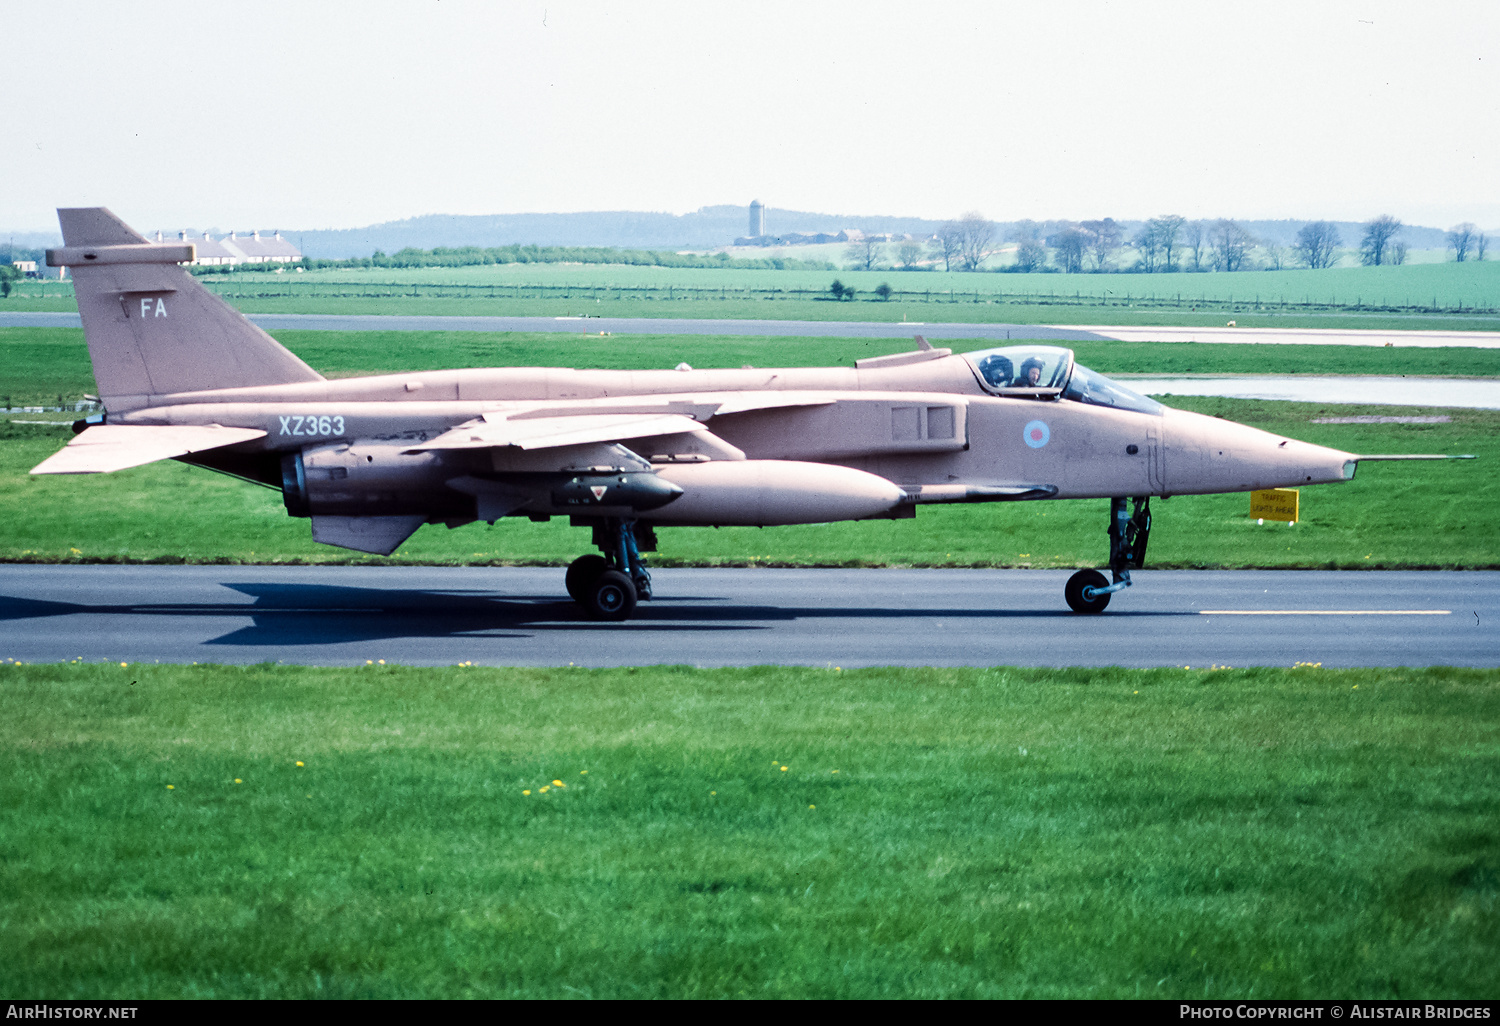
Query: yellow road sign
point(1274, 504)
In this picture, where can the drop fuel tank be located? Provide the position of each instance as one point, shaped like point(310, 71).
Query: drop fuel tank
point(760, 493)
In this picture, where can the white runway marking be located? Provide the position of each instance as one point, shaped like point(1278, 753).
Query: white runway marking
point(1325, 612)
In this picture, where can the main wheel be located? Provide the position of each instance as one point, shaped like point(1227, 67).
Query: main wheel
point(582, 572)
point(610, 597)
point(1074, 591)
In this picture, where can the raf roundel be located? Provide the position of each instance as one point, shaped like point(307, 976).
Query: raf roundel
point(1036, 434)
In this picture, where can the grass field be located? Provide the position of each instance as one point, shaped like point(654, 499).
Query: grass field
point(1425, 295)
point(1470, 283)
point(285, 832)
point(37, 365)
point(1392, 515)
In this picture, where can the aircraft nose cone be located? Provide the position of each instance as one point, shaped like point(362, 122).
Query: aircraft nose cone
point(1207, 454)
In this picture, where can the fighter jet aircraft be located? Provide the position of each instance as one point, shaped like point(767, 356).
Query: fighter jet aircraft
point(183, 375)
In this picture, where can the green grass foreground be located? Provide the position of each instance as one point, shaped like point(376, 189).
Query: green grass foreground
point(1393, 515)
point(274, 831)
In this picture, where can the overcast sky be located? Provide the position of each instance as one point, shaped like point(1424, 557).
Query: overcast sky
point(312, 115)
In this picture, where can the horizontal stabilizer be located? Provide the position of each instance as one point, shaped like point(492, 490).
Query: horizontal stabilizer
point(552, 432)
point(105, 448)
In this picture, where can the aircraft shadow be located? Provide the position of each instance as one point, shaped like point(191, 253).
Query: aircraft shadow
point(317, 614)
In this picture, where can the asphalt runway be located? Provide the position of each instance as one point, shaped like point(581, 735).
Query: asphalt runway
point(836, 329)
point(521, 616)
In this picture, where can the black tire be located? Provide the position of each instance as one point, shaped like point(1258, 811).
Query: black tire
point(611, 597)
point(582, 572)
point(1074, 591)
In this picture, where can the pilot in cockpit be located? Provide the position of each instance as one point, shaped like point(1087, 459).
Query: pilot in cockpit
point(1030, 375)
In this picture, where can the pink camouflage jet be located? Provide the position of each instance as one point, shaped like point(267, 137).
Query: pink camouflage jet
point(182, 375)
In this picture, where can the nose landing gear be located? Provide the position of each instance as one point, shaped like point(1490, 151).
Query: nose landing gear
point(1088, 591)
point(608, 586)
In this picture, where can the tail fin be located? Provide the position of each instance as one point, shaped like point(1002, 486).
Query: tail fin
point(152, 329)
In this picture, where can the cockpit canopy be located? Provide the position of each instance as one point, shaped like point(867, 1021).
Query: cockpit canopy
point(1049, 372)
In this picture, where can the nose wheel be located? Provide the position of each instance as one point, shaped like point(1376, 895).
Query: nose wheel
point(1088, 591)
point(1085, 592)
point(608, 586)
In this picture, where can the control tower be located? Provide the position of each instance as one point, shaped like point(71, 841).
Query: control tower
point(757, 219)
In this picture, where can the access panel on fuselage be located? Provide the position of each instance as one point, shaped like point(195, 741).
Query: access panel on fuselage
point(850, 428)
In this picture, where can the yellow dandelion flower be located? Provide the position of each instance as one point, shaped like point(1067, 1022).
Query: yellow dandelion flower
point(527, 791)
point(812, 806)
point(543, 790)
point(170, 787)
point(124, 664)
point(713, 792)
point(1355, 688)
point(558, 783)
point(583, 773)
point(835, 771)
point(237, 780)
point(783, 769)
point(299, 763)
point(381, 661)
point(369, 662)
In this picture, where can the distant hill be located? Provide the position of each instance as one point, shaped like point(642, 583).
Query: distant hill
point(706, 228)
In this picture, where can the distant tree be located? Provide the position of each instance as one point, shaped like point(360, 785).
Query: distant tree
point(5, 288)
point(1148, 245)
point(1030, 252)
point(1379, 233)
point(1031, 255)
point(945, 244)
point(1070, 244)
point(1275, 255)
point(909, 254)
point(1104, 239)
point(884, 290)
point(1481, 243)
point(1461, 240)
point(976, 233)
point(1168, 228)
point(865, 252)
point(1316, 243)
point(838, 290)
point(1231, 245)
point(1195, 241)
point(1396, 253)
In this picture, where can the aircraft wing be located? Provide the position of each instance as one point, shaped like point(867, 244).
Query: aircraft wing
point(698, 405)
point(105, 448)
point(495, 430)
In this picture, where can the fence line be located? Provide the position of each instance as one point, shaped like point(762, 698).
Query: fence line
point(689, 293)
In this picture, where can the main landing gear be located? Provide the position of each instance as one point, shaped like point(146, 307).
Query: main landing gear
point(609, 586)
point(1088, 591)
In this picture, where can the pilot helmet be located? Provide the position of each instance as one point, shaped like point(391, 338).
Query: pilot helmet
point(1024, 377)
